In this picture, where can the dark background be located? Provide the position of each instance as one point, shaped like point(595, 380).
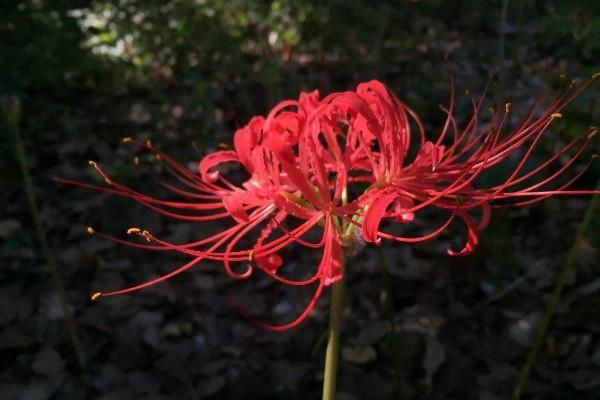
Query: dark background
point(185, 74)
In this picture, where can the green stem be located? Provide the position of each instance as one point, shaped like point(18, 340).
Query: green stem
point(556, 295)
point(12, 113)
point(389, 306)
point(333, 338)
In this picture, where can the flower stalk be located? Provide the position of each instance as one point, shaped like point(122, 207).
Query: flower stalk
point(11, 108)
point(333, 339)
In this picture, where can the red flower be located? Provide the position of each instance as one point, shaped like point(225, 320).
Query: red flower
point(342, 163)
point(444, 173)
point(281, 185)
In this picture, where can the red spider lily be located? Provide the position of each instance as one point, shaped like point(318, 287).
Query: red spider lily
point(443, 173)
point(342, 163)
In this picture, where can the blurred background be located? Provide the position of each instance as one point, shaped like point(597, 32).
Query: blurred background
point(186, 74)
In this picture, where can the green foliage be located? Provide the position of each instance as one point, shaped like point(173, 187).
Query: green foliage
point(233, 57)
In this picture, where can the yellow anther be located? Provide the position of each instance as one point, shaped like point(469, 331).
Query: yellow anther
point(136, 160)
point(223, 145)
point(147, 235)
point(90, 230)
point(108, 181)
point(157, 156)
point(467, 92)
point(126, 139)
point(556, 115)
point(508, 105)
point(492, 110)
point(573, 83)
point(594, 156)
point(596, 75)
point(593, 132)
point(133, 230)
point(251, 255)
point(148, 143)
point(96, 295)
point(563, 77)
point(92, 163)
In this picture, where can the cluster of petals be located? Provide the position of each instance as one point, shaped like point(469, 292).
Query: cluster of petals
point(342, 165)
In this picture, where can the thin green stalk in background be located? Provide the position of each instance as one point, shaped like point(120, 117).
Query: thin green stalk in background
point(501, 71)
point(556, 295)
point(12, 111)
point(333, 338)
point(503, 22)
point(389, 307)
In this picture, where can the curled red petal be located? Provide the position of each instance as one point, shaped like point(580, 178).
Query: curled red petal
point(308, 102)
point(472, 238)
point(400, 204)
point(375, 213)
point(214, 159)
point(270, 263)
point(429, 155)
point(486, 214)
point(234, 205)
point(246, 139)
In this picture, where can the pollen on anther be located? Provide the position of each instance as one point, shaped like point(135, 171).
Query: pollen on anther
point(556, 115)
point(251, 255)
point(593, 132)
point(96, 295)
point(148, 143)
point(92, 163)
point(147, 235)
point(157, 157)
point(133, 230)
point(126, 139)
point(223, 145)
point(90, 230)
point(108, 181)
point(136, 160)
point(467, 92)
point(508, 105)
point(563, 76)
point(596, 75)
